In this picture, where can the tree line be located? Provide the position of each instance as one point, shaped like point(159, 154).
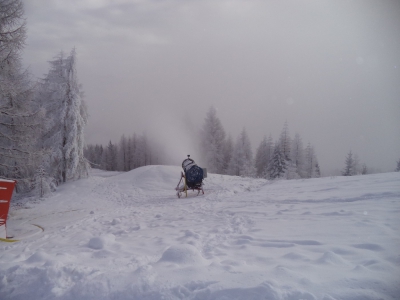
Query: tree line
point(130, 153)
point(284, 158)
point(42, 121)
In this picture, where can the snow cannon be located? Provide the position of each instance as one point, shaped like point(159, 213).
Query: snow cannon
point(192, 178)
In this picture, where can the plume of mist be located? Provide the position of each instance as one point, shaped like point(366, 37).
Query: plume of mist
point(177, 135)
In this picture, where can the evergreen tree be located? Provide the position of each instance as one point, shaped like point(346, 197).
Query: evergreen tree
point(43, 183)
point(242, 163)
point(98, 153)
point(317, 170)
point(285, 142)
point(297, 157)
point(66, 116)
point(110, 157)
point(309, 161)
point(227, 151)
point(270, 152)
point(278, 166)
point(123, 154)
point(212, 143)
point(364, 169)
point(263, 157)
point(349, 164)
point(285, 145)
point(398, 166)
point(135, 159)
point(130, 153)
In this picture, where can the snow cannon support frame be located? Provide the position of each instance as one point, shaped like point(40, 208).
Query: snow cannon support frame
point(192, 177)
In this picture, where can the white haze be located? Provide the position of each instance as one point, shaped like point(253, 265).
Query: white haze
point(331, 69)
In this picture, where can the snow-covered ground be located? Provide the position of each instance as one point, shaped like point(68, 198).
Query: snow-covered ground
point(127, 236)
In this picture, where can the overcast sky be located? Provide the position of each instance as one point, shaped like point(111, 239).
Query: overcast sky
point(329, 68)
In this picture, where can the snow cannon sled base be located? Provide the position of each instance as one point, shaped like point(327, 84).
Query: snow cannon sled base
point(192, 178)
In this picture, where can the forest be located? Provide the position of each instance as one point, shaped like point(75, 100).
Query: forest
point(285, 158)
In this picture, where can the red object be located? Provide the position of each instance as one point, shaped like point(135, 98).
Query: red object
point(6, 190)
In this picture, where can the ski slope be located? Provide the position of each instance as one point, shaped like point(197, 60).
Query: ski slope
point(127, 236)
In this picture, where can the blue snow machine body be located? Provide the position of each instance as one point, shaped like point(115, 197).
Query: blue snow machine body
point(192, 176)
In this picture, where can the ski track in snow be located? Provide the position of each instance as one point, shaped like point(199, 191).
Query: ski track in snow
point(127, 236)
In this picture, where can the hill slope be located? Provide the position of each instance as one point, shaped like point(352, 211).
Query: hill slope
point(127, 236)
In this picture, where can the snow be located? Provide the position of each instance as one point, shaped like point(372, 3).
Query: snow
point(127, 236)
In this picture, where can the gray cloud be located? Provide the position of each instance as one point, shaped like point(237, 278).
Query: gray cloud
point(331, 69)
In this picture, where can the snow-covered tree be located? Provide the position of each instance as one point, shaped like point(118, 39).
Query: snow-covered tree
point(349, 164)
point(130, 153)
point(66, 115)
point(19, 119)
point(123, 154)
point(261, 160)
point(133, 162)
point(140, 151)
point(212, 142)
point(317, 170)
point(12, 33)
point(241, 163)
point(227, 153)
point(285, 148)
point(263, 157)
point(43, 183)
point(285, 142)
point(297, 157)
point(277, 166)
point(309, 161)
point(364, 170)
point(98, 154)
point(110, 157)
